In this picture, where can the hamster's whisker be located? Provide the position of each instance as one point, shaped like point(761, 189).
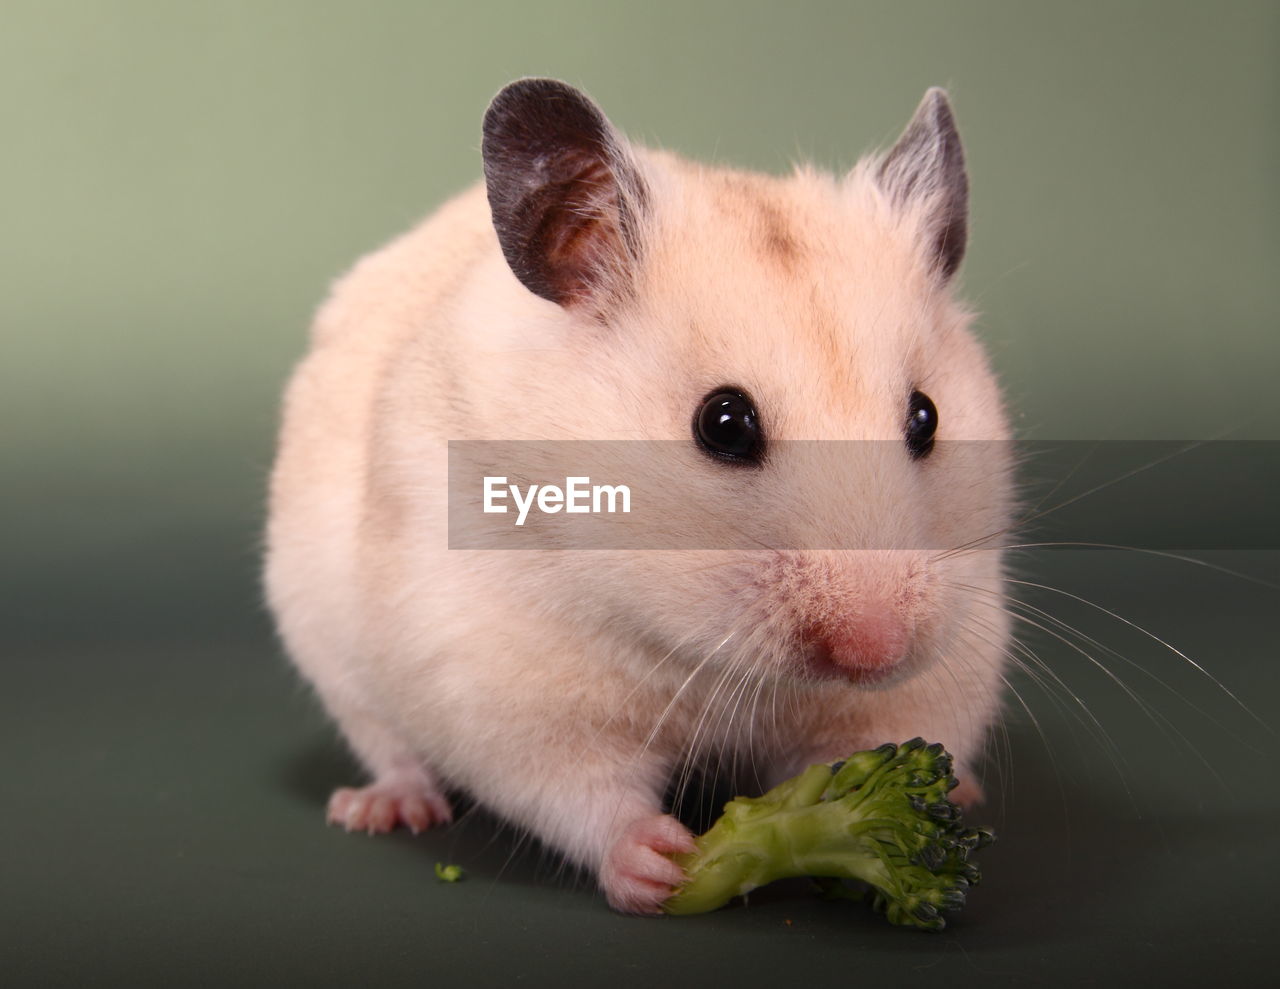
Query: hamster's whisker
point(752, 714)
point(639, 684)
point(1163, 554)
point(943, 697)
point(1059, 623)
point(1157, 718)
point(1155, 638)
point(1035, 513)
point(773, 707)
point(1008, 601)
point(681, 644)
point(676, 696)
point(701, 665)
point(1089, 640)
point(1146, 551)
point(721, 733)
point(693, 748)
point(1046, 687)
point(1048, 748)
point(998, 756)
point(756, 674)
point(691, 756)
point(1027, 661)
point(724, 731)
point(1021, 654)
point(698, 668)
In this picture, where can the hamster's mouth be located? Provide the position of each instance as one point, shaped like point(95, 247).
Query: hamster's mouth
point(872, 655)
point(819, 664)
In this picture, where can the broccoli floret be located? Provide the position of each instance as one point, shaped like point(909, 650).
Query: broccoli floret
point(880, 817)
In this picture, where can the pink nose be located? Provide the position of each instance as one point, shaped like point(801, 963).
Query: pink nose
point(863, 651)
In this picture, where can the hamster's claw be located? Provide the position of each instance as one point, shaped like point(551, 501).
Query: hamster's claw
point(637, 876)
point(383, 804)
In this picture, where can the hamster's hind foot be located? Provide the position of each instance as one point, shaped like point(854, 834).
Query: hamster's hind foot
point(409, 799)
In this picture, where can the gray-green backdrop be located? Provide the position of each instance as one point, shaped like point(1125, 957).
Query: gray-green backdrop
point(180, 181)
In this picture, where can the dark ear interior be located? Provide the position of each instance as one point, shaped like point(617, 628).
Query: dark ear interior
point(927, 164)
point(563, 190)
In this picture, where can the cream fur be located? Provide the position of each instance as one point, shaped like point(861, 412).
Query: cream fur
point(534, 680)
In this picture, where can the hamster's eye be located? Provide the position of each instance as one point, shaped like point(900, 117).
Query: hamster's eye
point(922, 423)
point(727, 427)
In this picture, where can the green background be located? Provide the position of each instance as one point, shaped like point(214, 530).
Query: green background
point(179, 183)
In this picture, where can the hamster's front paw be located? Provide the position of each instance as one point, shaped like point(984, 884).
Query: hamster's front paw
point(636, 875)
point(377, 808)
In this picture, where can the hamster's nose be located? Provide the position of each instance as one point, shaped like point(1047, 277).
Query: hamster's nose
point(862, 650)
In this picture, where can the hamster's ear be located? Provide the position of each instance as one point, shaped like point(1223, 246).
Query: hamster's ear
point(925, 170)
point(564, 190)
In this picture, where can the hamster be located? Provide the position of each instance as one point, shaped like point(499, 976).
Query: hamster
point(593, 289)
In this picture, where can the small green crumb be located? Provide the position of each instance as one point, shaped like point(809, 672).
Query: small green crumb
point(448, 873)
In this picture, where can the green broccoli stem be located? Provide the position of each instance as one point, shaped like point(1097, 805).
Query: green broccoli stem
point(880, 817)
point(746, 849)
